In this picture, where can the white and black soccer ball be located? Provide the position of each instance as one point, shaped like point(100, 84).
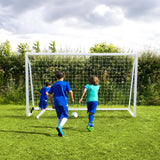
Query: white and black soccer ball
point(74, 114)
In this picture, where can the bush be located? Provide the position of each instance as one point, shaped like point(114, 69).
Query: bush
point(12, 74)
point(149, 79)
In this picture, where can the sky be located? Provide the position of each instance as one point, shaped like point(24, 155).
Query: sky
point(128, 24)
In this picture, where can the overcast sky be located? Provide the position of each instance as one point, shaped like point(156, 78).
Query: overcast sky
point(130, 24)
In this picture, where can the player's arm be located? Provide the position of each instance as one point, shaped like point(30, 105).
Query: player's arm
point(51, 100)
point(84, 91)
point(39, 94)
point(71, 94)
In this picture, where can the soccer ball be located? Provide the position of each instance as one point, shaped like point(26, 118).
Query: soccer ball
point(75, 114)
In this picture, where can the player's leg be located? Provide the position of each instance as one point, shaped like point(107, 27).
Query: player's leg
point(32, 109)
point(41, 112)
point(59, 127)
point(58, 121)
point(89, 105)
point(64, 115)
point(91, 117)
point(91, 110)
point(36, 108)
point(58, 114)
point(43, 106)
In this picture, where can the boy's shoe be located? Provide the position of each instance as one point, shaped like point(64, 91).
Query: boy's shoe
point(37, 117)
point(89, 128)
point(60, 132)
point(32, 109)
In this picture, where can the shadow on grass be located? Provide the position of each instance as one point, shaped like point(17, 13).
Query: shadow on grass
point(65, 128)
point(119, 117)
point(31, 117)
point(14, 116)
point(11, 109)
point(46, 134)
point(74, 129)
point(50, 117)
point(43, 127)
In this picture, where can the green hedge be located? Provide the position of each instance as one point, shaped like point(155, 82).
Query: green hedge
point(12, 77)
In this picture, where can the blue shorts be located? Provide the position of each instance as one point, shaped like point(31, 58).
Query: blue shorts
point(92, 106)
point(62, 111)
point(43, 104)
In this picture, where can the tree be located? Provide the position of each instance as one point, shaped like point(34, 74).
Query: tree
point(36, 47)
point(23, 48)
point(5, 49)
point(52, 46)
point(104, 48)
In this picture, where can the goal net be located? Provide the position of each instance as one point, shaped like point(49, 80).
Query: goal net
point(117, 73)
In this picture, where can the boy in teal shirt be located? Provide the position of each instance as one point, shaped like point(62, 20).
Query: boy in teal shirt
point(92, 99)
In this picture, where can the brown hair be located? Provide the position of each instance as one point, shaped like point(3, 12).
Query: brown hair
point(59, 74)
point(48, 83)
point(94, 80)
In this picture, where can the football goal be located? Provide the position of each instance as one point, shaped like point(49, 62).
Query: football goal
point(117, 73)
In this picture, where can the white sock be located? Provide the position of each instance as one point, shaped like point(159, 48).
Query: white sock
point(63, 121)
point(42, 111)
point(59, 121)
point(37, 108)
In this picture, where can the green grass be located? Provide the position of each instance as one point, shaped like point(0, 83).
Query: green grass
point(116, 136)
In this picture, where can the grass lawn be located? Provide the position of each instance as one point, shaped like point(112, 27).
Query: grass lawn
point(116, 135)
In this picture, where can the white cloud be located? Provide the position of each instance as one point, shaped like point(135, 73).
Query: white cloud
point(80, 24)
point(101, 9)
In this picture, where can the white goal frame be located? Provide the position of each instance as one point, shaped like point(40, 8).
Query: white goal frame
point(133, 86)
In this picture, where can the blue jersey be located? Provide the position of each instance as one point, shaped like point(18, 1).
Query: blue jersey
point(43, 93)
point(60, 90)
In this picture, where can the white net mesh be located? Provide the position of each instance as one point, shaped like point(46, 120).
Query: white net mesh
point(115, 73)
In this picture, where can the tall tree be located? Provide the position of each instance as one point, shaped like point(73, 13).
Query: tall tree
point(52, 46)
point(23, 48)
point(36, 47)
point(104, 48)
point(5, 48)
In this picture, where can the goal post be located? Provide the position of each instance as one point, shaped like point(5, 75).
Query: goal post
point(117, 73)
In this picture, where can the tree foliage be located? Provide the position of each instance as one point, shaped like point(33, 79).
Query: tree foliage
point(23, 48)
point(5, 48)
point(36, 47)
point(104, 48)
point(12, 72)
point(52, 46)
point(149, 78)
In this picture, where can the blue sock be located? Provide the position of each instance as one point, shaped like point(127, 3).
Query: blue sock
point(91, 117)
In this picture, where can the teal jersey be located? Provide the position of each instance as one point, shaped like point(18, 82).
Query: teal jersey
point(92, 92)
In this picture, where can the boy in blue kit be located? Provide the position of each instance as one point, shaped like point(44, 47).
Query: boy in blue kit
point(60, 89)
point(92, 99)
point(43, 99)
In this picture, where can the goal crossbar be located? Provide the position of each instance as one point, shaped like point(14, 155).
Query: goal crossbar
point(81, 54)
